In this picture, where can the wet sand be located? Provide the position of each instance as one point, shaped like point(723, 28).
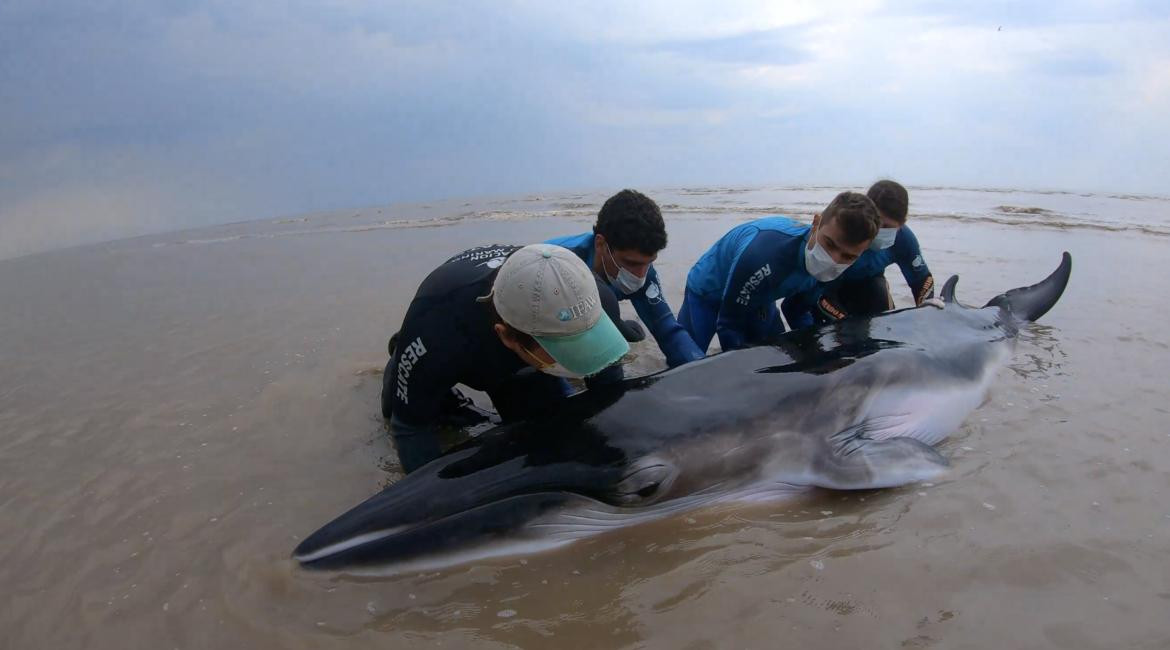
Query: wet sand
point(176, 412)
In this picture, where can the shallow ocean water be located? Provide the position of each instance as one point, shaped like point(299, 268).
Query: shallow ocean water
point(177, 411)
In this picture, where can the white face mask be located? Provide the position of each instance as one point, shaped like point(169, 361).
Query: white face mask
point(626, 282)
point(820, 264)
point(555, 369)
point(885, 238)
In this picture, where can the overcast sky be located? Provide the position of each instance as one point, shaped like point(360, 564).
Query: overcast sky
point(122, 118)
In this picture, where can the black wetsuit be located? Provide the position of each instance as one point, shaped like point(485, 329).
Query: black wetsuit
point(447, 339)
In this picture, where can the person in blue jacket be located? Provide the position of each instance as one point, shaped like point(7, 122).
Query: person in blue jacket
point(622, 248)
point(732, 290)
point(862, 290)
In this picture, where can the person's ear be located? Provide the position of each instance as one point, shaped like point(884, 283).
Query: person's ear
point(601, 253)
point(599, 247)
point(508, 339)
point(812, 233)
point(504, 336)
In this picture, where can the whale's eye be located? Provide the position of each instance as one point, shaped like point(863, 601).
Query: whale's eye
point(643, 484)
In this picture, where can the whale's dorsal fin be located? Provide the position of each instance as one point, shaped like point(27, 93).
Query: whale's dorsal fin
point(948, 290)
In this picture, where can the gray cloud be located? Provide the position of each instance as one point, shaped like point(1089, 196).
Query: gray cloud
point(176, 114)
point(767, 47)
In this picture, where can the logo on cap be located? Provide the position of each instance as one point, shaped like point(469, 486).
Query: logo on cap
point(565, 315)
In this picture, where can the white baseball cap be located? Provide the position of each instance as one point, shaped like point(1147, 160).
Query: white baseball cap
point(547, 291)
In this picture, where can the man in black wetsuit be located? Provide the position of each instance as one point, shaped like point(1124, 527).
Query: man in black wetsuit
point(510, 321)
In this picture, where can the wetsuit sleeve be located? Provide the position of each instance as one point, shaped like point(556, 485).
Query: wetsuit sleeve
point(528, 394)
point(610, 375)
point(908, 256)
point(531, 393)
point(749, 283)
point(656, 314)
point(798, 309)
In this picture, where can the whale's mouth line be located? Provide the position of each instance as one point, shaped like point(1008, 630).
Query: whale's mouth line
point(353, 542)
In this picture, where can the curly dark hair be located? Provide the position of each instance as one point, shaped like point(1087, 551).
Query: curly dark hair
point(632, 220)
point(891, 199)
point(856, 214)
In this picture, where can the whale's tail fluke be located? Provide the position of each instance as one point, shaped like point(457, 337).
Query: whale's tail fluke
point(1030, 303)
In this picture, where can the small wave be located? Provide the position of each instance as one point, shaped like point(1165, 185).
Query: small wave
point(1005, 215)
point(391, 224)
point(1011, 190)
point(703, 191)
point(1014, 209)
point(739, 209)
point(384, 225)
point(1047, 223)
point(1138, 197)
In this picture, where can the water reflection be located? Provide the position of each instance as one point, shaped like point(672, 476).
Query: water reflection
point(613, 587)
point(1039, 354)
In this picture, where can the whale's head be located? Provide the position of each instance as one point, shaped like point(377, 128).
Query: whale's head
point(525, 488)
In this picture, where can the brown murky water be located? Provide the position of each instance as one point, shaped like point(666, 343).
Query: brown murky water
point(176, 412)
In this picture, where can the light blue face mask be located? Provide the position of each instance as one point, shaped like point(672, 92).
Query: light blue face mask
point(885, 238)
point(626, 282)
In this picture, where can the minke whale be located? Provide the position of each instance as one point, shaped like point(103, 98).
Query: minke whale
point(856, 404)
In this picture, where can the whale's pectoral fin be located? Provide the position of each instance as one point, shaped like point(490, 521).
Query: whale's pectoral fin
point(861, 463)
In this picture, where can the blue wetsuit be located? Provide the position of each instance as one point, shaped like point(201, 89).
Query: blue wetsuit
point(648, 301)
point(732, 290)
point(839, 298)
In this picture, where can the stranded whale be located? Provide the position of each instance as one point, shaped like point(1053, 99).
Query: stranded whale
point(856, 404)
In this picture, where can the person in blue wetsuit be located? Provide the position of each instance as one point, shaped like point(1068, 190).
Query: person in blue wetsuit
point(732, 290)
point(862, 290)
point(625, 241)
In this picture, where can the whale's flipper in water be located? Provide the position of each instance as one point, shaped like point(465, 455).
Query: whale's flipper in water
point(1030, 303)
point(861, 463)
